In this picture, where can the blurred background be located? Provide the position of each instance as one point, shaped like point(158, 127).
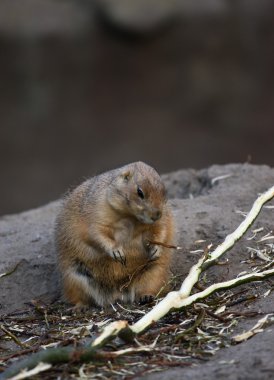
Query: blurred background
point(86, 86)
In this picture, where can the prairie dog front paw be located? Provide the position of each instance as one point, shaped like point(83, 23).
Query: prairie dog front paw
point(117, 254)
point(153, 251)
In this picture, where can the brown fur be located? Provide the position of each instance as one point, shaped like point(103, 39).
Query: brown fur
point(106, 214)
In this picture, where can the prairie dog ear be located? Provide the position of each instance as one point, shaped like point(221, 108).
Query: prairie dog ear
point(126, 175)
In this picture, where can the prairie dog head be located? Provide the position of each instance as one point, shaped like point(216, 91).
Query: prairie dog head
point(138, 191)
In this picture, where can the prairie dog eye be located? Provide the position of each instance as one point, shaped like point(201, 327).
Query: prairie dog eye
point(140, 193)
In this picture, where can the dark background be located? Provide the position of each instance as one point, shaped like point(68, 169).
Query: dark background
point(87, 86)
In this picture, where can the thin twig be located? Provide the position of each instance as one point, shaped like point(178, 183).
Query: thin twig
point(196, 324)
point(164, 244)
point(11, 271)
point(13, 337)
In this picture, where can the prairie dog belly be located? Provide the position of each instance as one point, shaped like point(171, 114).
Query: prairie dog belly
point(128, 237)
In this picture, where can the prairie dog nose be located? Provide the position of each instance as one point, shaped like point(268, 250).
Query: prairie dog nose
point(156, 215)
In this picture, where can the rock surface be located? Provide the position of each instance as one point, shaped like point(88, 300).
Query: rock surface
point(205, 208)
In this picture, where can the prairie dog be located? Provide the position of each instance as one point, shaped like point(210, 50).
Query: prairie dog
point(103, 235)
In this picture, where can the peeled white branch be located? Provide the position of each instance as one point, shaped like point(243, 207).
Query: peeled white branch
point(174, 301)
point(228, 243)
point(111, 330)
point(231, 239)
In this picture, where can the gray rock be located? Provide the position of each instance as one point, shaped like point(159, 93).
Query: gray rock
point(26, 239)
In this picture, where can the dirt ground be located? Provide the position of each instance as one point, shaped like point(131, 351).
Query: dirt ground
point(197, 342)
